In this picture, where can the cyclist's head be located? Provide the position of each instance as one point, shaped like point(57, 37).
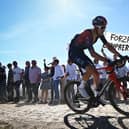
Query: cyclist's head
point(99, 21)
point(99, 24)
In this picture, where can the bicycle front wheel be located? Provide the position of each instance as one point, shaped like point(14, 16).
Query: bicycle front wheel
point(73, 98)
point(116, 98)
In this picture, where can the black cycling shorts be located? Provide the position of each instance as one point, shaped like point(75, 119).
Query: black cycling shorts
point(80, 58)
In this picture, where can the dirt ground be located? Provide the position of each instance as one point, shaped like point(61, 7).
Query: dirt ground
point(44, 116)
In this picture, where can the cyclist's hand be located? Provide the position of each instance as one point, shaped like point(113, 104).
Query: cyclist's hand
point(120, 56)
point(123, 57)
point(108, 61)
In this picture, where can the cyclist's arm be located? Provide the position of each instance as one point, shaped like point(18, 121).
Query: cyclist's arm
point(112, 49)
point(109, 46)
point(96, 55)
point(103, 53)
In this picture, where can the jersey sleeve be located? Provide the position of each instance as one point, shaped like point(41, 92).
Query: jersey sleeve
point(91, 48)
point(85, 39)
point(103, 39)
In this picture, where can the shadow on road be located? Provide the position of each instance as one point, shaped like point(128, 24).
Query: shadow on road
point(88, 121)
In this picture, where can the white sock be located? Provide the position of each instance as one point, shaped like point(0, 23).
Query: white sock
point(82, 90)
point(82, 85)
point(94, 90)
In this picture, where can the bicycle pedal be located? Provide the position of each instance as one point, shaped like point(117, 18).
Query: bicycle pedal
point(93, 105)
point(96, 104)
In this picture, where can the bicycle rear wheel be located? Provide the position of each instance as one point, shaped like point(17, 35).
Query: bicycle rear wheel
point(73, 98)
point(117, 100)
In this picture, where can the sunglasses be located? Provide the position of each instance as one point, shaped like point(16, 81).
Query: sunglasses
point(101, 27)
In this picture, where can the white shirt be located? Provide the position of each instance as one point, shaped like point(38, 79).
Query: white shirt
point(58, 72)
point(71, 70)
point(17, 74)
point(102, 72)
point(121, 72)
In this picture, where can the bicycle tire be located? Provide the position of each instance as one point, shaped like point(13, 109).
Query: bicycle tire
point(73, 100)
point(119, 103)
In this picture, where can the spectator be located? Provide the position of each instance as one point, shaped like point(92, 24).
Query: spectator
point(10, 88)
point(17, 76)
point(35, 78)
point(45, 85)
point(71, 71)
point(23, 84)
point(62, 86)
point(51, 75)
point(27, 82)
point(122, 72)
point(5, 86)
point(2, 84)
point(58, 74)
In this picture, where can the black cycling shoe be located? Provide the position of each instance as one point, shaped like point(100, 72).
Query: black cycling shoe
point(101, 101)
point(93, 103)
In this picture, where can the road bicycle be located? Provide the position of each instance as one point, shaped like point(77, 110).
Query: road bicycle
point(118, 93)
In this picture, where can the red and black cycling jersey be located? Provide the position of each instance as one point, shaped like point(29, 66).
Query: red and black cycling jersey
point(84, 40)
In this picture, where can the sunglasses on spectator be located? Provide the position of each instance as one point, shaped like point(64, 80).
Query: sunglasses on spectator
point(101, 27)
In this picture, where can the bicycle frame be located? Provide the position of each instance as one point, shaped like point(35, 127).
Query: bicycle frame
point(112, 79)
point(81, 104)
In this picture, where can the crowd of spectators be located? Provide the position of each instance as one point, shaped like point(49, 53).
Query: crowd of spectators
point(33, 84)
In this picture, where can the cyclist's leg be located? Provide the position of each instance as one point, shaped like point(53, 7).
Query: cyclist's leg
point(96, 80)
point(90, 70)
point(84, 62)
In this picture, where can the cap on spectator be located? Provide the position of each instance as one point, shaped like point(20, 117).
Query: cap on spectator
point(54, 58)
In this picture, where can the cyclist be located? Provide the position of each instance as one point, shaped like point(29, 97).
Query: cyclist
point(86, 40)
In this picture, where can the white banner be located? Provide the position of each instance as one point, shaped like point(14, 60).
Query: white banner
point(118, 41)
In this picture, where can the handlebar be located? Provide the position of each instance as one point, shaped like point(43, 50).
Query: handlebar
point(119, 62)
